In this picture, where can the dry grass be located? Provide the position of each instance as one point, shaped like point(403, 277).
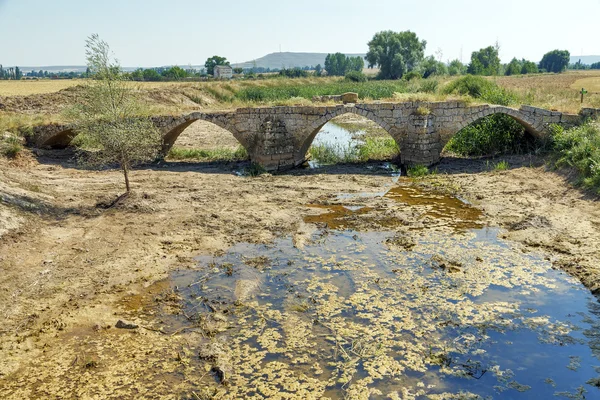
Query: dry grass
point(592, 84)
point(553, 91)
point(29, 87)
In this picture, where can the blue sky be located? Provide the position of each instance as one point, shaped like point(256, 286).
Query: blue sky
point(182, 32)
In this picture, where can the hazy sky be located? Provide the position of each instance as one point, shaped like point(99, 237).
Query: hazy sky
point(161, 32)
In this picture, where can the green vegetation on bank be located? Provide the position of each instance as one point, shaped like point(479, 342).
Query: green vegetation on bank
point(371, 149)
point(579, 148)
point(366, 90)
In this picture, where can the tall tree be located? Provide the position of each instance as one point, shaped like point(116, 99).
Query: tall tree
point(396, 53)
point(339, 64)
point(109, 118)
point(212, 62)
point(485, 62)
point(555, 61)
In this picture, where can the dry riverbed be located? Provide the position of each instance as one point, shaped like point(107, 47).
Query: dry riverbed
point(72, 267)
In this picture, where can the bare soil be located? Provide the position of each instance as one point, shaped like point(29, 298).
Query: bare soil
point(71, 268)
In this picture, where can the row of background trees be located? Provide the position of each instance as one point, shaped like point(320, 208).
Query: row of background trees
point(397, 54)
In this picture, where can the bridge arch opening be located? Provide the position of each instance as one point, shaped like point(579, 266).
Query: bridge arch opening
point(494, 134)
point(350, 137)
point(200, 140)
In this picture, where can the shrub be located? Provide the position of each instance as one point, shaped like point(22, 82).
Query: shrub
point(496, 134)
point(10, 146)
point(429, 86)
point(579, 148)
point(409, 76)
point(356, 76)
point(481, 88)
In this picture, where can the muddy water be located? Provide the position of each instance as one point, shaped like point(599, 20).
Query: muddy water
point(400, 313)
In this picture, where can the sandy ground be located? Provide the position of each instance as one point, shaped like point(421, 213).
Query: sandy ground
point(71, 268)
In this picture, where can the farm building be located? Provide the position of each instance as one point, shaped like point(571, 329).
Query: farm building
point(223, 71)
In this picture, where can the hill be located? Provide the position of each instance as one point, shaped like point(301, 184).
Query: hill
point(288, 60)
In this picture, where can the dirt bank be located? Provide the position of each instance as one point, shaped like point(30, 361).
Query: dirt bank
point(72, 268)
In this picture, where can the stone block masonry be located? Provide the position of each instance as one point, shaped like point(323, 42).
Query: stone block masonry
point(278, 138)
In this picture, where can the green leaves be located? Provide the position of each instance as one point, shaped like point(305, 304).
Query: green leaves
point(396, 53)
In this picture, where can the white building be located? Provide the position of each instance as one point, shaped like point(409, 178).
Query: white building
point(223, 72)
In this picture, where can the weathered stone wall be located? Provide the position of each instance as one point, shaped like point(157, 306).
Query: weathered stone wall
point(279, 137)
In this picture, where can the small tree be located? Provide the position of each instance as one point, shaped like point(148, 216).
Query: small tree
point(212, 62)
point(109, 118)
point(318, 70)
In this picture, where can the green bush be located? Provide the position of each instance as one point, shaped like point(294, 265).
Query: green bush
point(496, 134)
point(429, 86)
point(409, 76)
point(579, 148)
point(482, 89)
point(356, 76)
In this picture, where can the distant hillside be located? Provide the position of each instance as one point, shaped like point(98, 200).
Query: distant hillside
point(585, 59)
point(288, 60)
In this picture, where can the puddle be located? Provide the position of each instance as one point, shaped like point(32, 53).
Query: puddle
point(393, 314)
point(433, 209)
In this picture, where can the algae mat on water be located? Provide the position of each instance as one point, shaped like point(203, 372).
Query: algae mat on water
point(447, 314)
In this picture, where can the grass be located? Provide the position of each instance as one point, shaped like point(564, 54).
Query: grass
point(10, 146)
point(219, 154)
point(419, 171)
point(579, 148)
point(372, 149)
point(21, 124)
point(501, 166)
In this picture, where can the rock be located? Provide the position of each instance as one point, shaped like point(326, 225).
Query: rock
point(125, 325)
point(350, 97)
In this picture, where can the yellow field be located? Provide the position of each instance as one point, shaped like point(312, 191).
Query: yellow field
point(592, 85)
point(28, 87)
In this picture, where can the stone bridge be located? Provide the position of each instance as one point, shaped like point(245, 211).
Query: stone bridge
point(279, 137)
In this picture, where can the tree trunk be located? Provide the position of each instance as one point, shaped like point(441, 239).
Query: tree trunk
point(126, 173)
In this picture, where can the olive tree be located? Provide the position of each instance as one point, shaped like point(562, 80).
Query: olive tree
point(111, 122)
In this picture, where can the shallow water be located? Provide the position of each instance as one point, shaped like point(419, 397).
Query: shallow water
point(400, 313)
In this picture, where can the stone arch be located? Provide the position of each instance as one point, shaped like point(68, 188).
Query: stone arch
point(316, 127)
point(172, 130)
point(58, 140)
point(477, 114)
